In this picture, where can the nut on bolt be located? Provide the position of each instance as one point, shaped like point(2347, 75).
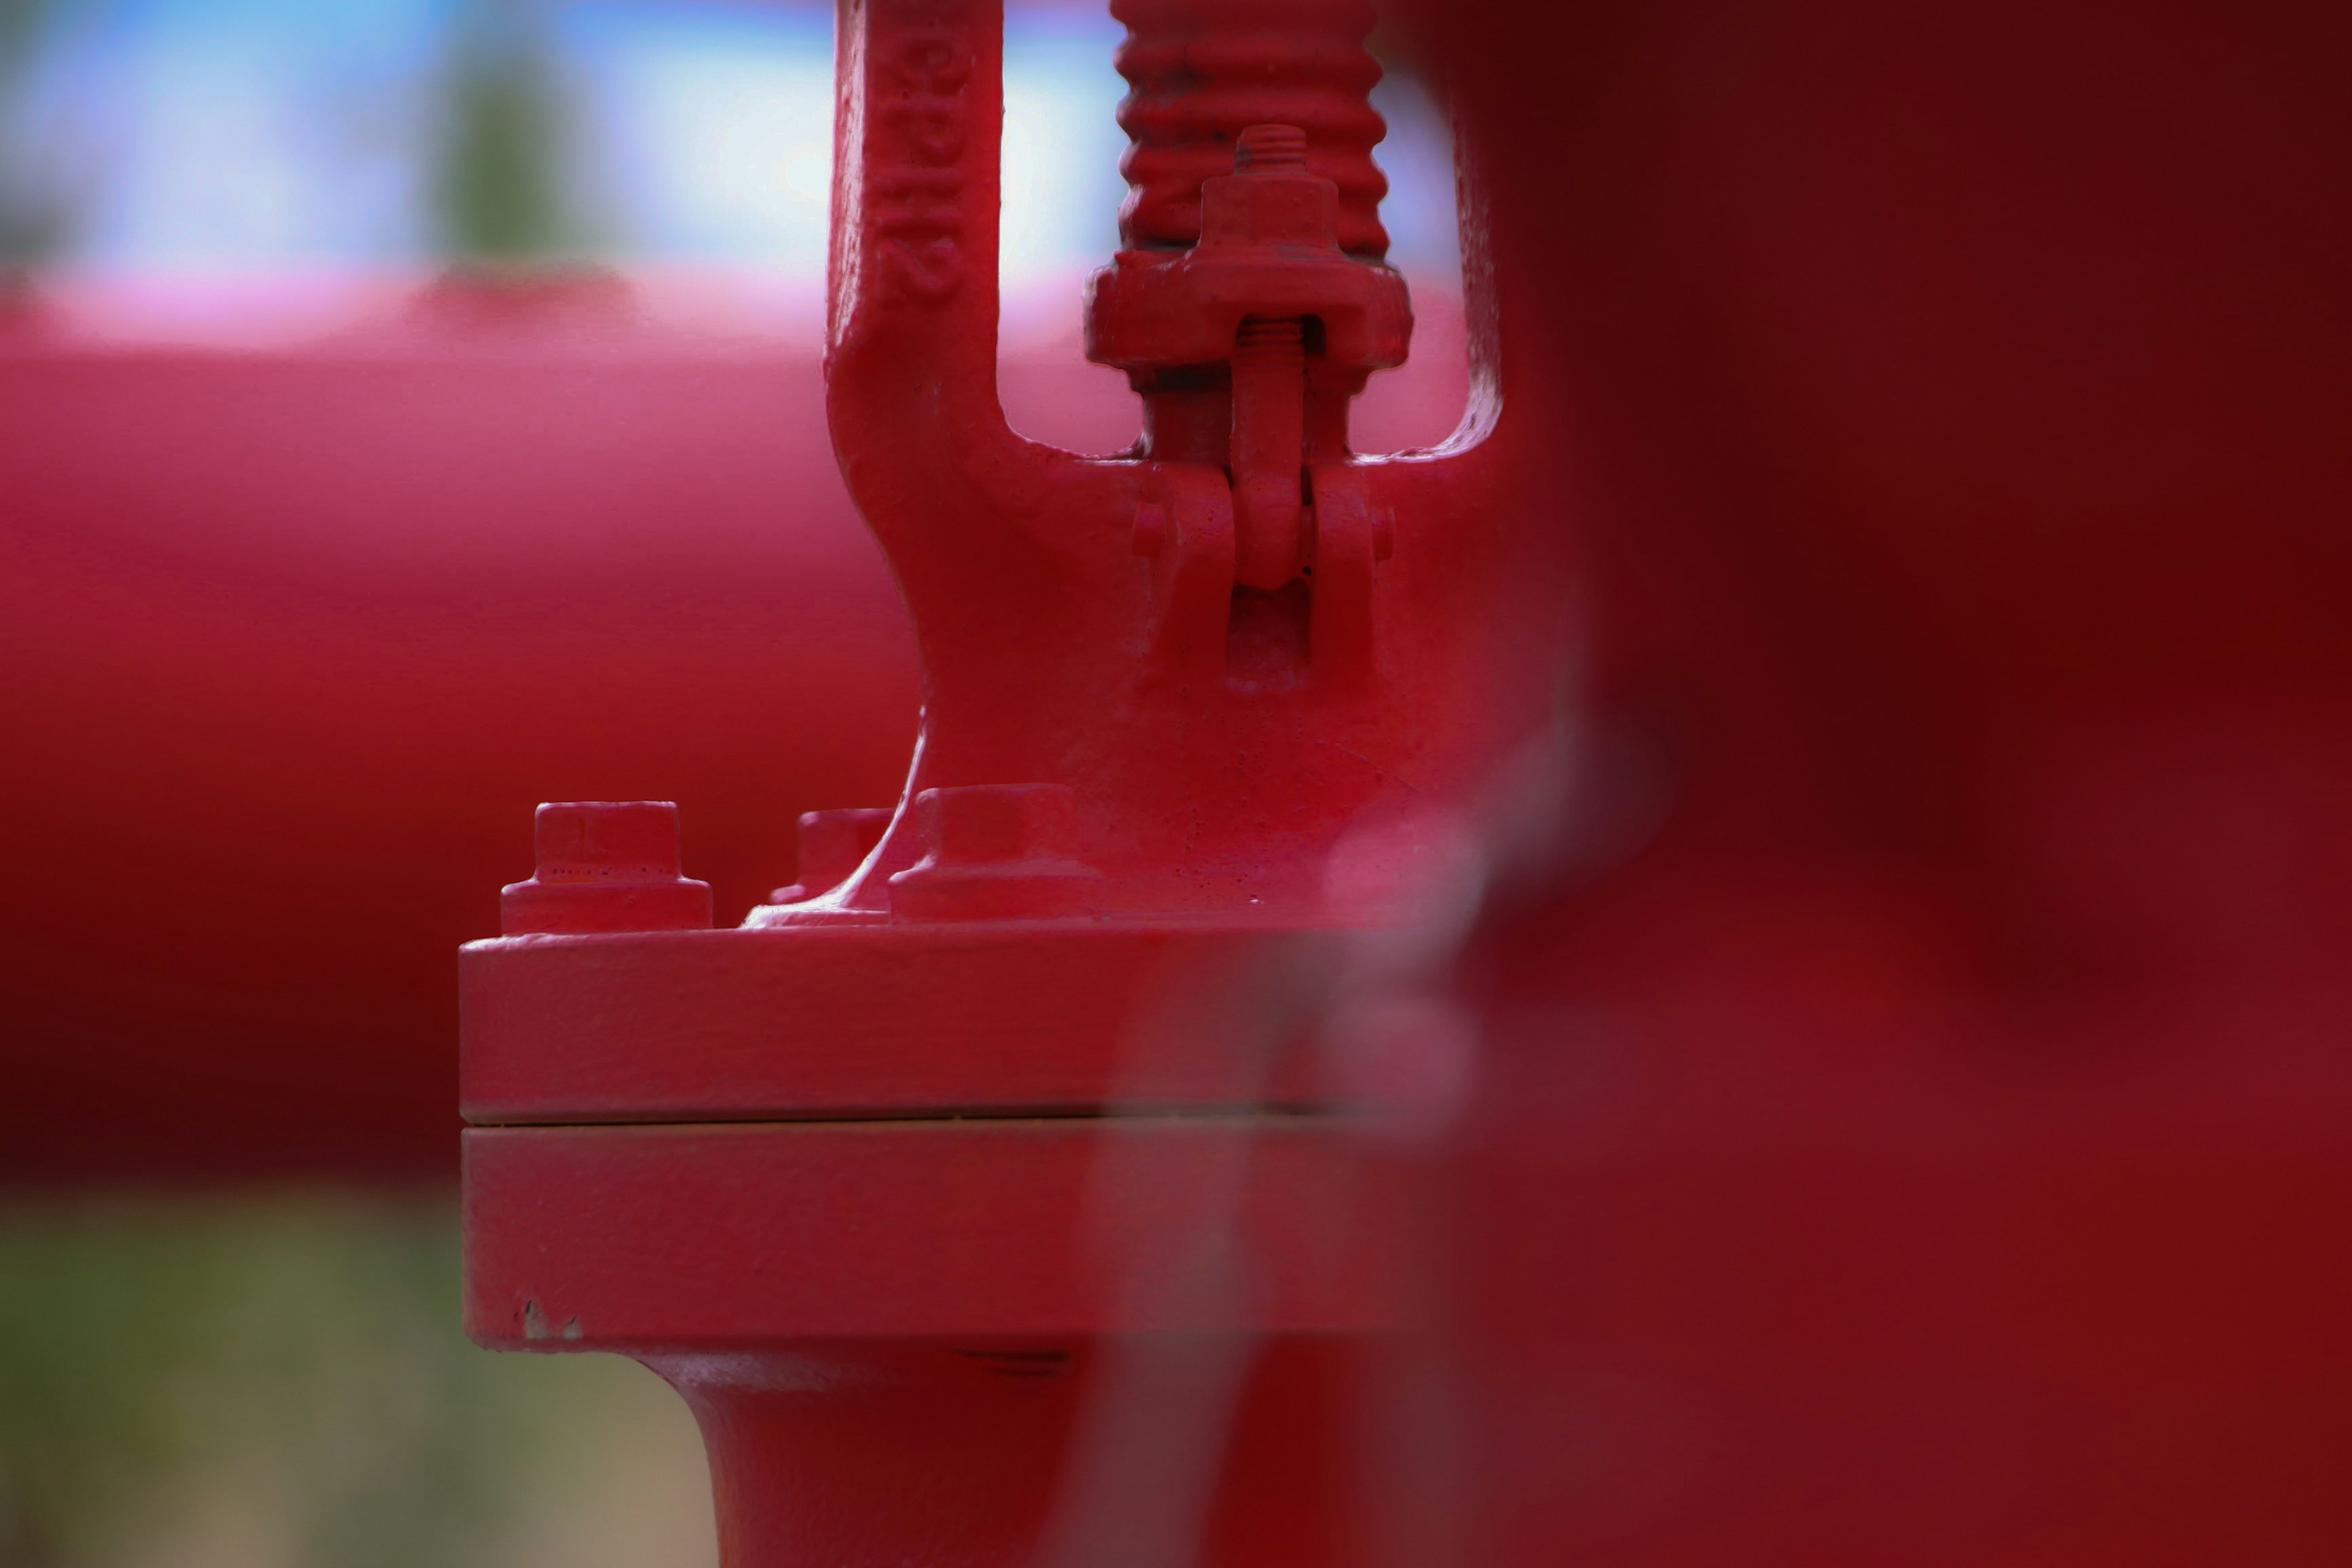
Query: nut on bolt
point(1269, 248)
point(833, 844)
point(996, 852)
point(605, 866)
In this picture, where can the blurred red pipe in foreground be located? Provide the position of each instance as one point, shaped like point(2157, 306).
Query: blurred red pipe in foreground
point(1916, 1121)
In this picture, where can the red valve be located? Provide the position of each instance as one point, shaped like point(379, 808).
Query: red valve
point(1188, 710)
point(1305, 642)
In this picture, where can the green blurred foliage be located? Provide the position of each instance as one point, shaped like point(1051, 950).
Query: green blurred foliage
point(501, 129)
point(283, 1377)
point(32, 221)
point(500, 196)
point(141, 1344)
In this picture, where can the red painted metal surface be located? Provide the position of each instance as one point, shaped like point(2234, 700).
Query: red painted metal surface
point(1888, 1102)
point(1913, 1119)
point(755, 1239)
point(864, 1020)
point(1193, 738)
point(291, 640)
point(293, 630)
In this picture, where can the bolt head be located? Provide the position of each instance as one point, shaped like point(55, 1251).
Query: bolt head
point(605, 866)
point(996, 852)
point(607, 841)
point(979, 825)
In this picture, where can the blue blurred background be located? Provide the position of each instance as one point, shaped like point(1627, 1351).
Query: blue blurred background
point(175, 148)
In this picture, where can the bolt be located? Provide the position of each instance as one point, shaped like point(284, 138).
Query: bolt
point(1266, 148)
point(833, 844)
point(995, 825)
point(996, 852)
point(604, 841)
point(605, 866)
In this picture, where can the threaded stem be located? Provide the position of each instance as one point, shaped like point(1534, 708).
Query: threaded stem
point(1270, 147)
point(1268, 340)
point(1200, 73)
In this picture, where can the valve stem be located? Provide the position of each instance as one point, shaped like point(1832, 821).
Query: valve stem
point(1269, 418)
point(1269, 443)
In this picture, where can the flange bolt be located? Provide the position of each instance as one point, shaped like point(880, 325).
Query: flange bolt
point(605, 866)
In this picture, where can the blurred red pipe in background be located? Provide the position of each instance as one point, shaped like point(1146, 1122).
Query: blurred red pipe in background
point(292, 640)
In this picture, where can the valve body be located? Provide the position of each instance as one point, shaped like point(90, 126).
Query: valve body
point(993, 1194)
